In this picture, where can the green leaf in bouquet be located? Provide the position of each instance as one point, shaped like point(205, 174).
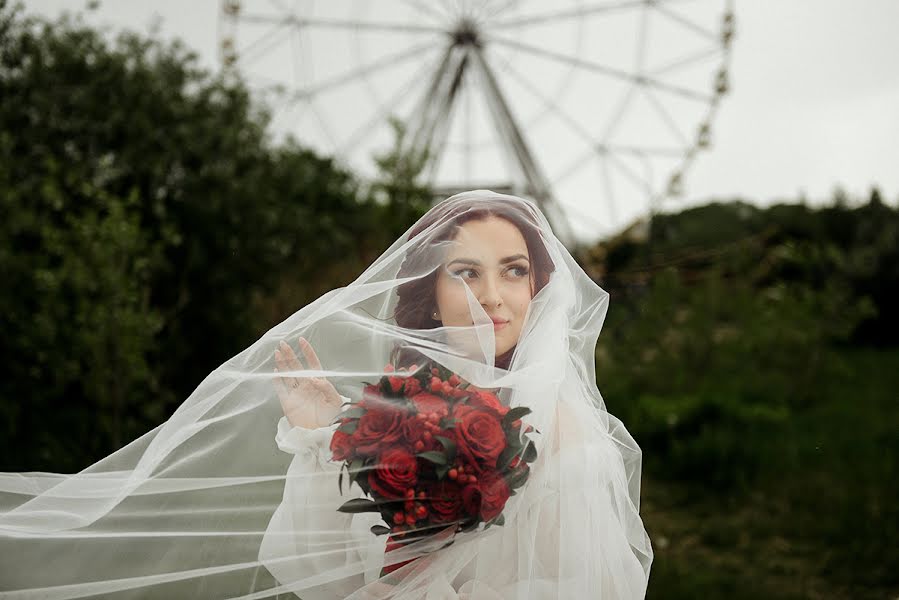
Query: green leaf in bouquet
point(530, 452)
point(351, 413)
point(441, 471)
point(349, 428)
point(379, 529)
point(517, 478)
point(355, 469)
point(435, 457)
point(449, 444)
point(360, 505)
point(515, 414)
point(502, 463)
point(514, 439)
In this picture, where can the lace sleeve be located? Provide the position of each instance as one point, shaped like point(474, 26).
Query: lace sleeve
point(309, 546)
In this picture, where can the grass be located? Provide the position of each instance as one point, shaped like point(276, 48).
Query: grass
point(819, 523)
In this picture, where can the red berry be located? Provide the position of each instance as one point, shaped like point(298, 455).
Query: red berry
point(399, 518)
point(419, 446)
point(410, 519)
point(454, 379)
point(410, 493)
point(421, 511)
point(422, 495)
point(409, 504)
point(472, 479)
point(453, 473)
point(428, 436)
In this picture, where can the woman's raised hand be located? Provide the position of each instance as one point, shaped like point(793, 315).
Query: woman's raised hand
point(309, 402)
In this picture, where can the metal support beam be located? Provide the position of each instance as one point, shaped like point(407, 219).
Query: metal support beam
point(536, 184)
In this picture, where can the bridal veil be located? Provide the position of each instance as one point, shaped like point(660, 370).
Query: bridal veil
point(226, 500)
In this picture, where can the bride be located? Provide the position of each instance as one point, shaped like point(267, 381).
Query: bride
point(236, 495)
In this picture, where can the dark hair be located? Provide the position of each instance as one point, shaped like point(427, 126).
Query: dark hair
point(417, 297)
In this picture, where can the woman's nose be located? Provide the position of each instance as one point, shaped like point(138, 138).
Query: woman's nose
point(490, 295)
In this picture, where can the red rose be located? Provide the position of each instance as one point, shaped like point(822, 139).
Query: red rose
point(381, 424)
point(487, 400)
point(396, 471)
point(479, 435)
point(445, 501)
point(494, 494)
point(428, 403)
point(471, 500)
point(341, 446)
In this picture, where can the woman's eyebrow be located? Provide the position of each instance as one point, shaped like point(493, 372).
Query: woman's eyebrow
point(471, 261)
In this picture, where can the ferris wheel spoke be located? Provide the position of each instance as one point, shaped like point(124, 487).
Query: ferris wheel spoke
point(607, 186)
point(366, 69)
point(641, 41)
point(326, 129)
point(263, 43)
point(575, 13)
point(660, 151)
point(425, 10)
point(629, 173)
point(684, 21)
point(467, 87)
point(666, 117)
point(686, 61)
point(615, 118)
point(351, 24)
point(501, 8)
point(384, 109)
point(604, 69)
point(551, 104)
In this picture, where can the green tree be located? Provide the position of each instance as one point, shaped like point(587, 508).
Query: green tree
point(150, 227)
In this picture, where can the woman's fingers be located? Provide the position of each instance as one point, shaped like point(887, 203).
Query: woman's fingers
point(283, 364)
point(291, 360)
point(309, 354)
point(281, 388)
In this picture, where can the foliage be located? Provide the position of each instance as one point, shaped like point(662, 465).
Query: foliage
point(140, 189)
point(731, 353)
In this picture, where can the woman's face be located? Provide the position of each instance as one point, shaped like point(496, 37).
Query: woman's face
point(491, 257)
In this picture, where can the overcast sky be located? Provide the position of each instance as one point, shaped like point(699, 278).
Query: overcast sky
point(814, 100)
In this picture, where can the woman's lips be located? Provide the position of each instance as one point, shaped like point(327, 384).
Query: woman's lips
point(499, 325)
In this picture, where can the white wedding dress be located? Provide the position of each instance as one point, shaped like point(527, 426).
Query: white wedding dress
point(208, 505)
point(313, 507)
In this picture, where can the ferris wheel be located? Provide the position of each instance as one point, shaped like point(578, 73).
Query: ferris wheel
point(594, 109)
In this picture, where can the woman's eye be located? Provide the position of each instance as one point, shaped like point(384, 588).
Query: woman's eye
point(460, 271)
point(522, 271)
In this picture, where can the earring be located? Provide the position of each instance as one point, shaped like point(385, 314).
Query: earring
point(435, 316)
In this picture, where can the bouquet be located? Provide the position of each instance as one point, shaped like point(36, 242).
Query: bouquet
point(431, 454)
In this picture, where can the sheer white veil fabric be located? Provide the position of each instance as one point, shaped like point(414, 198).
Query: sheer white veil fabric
point(209, 504)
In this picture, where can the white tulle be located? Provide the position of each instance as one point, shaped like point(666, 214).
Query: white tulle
point(227, 500)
